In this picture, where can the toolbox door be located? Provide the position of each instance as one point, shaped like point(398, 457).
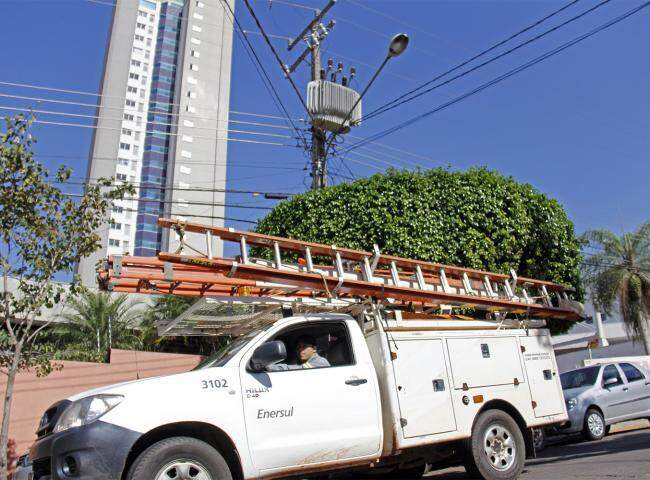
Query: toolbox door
point(423, 388)
point(543, 377)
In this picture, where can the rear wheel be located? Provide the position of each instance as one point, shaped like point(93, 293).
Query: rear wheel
point(180, 458)
point(594, 427)
point(539, 439)
point(496, 449)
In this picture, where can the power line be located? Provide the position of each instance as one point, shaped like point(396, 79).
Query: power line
point(503, 77)
point(226, 139)
point(411, 96)
point(275, 54)
point(101, 95)
point(189, 189)
point(259, 68)
point(78, 115)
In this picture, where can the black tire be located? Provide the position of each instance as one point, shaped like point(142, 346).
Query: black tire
point(594, 425)
point(496, 450)
point(185, 452)
point(539, 439)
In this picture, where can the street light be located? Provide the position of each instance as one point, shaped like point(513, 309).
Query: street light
point(398, 44)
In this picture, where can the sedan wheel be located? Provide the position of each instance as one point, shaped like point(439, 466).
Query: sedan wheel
point(594, 428)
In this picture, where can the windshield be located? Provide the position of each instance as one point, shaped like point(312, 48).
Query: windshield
point(583, 377)
point(220, 358)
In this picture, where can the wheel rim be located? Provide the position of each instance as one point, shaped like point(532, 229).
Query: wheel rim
point(595, 424)
point(499, 447)
point(183, 470)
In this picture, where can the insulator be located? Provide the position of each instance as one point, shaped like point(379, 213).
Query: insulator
point(344, 81)
point(340, 69)
point(322, 74)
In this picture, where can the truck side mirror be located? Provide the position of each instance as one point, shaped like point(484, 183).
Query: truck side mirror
point(268, 354)
point(610, 381)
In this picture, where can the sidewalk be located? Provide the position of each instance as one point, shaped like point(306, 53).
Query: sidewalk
point(629, 426)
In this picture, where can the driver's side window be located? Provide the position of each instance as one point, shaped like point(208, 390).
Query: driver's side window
point(314, 345)
point(611, 372)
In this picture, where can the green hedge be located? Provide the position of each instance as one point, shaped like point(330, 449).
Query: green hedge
point(478, 219)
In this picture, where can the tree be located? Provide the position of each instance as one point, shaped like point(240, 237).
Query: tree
point(478, 219)
point(619, 274)
point(100, 321)
point(43, 232)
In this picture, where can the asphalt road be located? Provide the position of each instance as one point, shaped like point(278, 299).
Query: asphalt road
point(623, 455)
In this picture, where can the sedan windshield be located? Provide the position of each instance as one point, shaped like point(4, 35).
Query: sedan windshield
point(583, 377)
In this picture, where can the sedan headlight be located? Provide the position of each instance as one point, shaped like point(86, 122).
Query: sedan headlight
point(571, 403)
point(86, 410)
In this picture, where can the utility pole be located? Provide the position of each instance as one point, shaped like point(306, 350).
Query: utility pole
point(313, 34)
point(318, 160)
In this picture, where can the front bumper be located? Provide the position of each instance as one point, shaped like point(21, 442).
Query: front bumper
point(573, 425)
point(97, 451)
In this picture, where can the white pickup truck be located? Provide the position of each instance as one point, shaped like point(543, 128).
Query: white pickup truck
point(397, 395)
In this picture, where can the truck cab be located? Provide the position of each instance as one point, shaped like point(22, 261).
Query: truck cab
point(395, 394)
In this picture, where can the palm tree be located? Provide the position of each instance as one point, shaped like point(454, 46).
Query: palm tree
point(619, 274)
point(100, 320)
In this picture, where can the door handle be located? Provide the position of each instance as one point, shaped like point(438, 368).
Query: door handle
point(356, 381)
point(625, 389)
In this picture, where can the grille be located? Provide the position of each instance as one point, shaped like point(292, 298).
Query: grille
point(42, 468)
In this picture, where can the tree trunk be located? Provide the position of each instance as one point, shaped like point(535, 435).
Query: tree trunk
point(6, 413)
point(645, 334)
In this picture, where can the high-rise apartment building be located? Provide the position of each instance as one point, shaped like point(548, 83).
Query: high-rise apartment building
point(162, 121)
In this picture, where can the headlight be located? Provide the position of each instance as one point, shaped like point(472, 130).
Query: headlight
point(86, 410)
point(571, 403)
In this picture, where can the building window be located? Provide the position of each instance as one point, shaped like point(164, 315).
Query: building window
point(191, 94)
point(188, 123)
point(141, 26)
point(144, 79)
point(185, 170)
point(124, 162)
point(112, 242)
point(195, 54)
point(125, 146)
point(195, 41)
point(120, 177)
point(197, 29)
point(200, 4)
point(146, 54)
point(128, 117)
point(130, 103)
point(191, 109)
point(134, 76)
point(131, 89)
point(198, 16)
point(194, 67)
point(140, 107)
point(126, 131)
point(137, 136)
point(136, 150)
point(126, 246)
point(138, 121)
point(148, 42)
point(139, 38)
point(115, 225)
point(118, 209)
point(137, 50)
point(187, 138)
point(192, 80)
point(186, 154)
point(136, 63)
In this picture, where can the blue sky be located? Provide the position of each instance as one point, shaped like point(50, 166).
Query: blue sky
point(575, 126)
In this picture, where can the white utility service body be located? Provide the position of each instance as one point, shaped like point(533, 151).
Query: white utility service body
point(403, 386)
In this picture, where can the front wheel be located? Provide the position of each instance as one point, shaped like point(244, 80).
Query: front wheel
point(496, 449)
point(180, 458)
point(594, 427)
